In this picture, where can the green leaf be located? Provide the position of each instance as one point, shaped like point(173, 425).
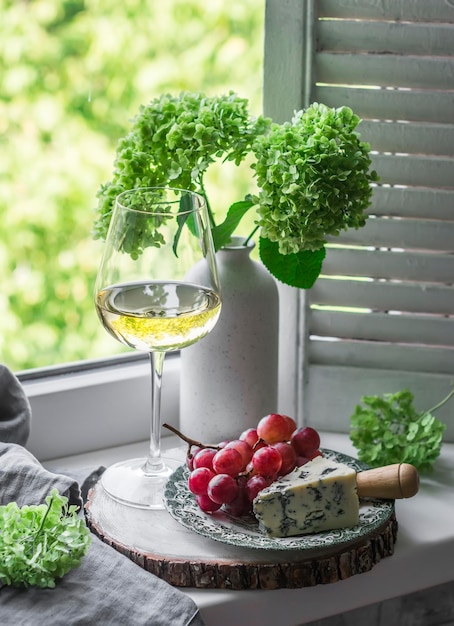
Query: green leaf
point(184, 213)
point(223, 232)
point(297, 270)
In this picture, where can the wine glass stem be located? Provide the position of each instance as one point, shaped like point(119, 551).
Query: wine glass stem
point(154, 462)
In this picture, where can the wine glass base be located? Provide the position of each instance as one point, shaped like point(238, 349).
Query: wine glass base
point(130, 483)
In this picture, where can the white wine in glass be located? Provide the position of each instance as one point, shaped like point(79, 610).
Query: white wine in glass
point(144, 300)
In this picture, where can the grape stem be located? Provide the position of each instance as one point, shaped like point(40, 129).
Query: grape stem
point(191, 442)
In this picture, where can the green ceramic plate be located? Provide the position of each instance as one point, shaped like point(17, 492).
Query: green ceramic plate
point(244, 531)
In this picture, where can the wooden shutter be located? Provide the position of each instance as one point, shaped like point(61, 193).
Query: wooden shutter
point(381, 317)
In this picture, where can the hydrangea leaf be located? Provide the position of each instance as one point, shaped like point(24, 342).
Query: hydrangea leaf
point(299, 269)
point(183, 216)
point(223, 233)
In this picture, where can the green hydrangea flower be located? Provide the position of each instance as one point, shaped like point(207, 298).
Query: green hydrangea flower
point(389, 429)
point(173, 141)
point(314, 178)
point(41, 543)
point(312, 173)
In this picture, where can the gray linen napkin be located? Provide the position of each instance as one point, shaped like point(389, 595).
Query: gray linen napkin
point(25, 481)
point(15, 412)
point(108, 588)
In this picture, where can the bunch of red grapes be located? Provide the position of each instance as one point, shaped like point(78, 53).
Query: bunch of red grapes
point(232, 474)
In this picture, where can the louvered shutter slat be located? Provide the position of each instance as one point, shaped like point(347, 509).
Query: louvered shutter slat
point(414, 170)
point(386, 37)
point(381, 355)
point(385, 296)
point(412, 105)
point(390, 103)
point(413, 202)
point(404, 137)
point(399, 10)
point(425, 234)
point(385, 70)
point(383, 264)
point(402, 328)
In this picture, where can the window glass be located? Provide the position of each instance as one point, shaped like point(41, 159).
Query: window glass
point(74, 73)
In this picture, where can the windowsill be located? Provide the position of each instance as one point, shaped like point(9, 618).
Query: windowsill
point(423, 556)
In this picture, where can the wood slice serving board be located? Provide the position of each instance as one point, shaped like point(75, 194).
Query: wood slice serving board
point(156, 541)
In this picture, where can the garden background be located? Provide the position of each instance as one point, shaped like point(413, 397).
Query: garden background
point(73, 74)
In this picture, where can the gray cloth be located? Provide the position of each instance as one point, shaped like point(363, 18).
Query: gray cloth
point(25, 481)
point(107, 588)
point(15, 412)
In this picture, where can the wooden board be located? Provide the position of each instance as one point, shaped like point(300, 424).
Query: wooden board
point(159, 544)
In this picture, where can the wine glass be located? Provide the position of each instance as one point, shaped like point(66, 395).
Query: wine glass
point(143, 299)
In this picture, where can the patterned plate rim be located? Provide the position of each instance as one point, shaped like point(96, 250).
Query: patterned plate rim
point(243, 532)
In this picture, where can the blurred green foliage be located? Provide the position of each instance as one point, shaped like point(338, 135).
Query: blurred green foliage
point(73, 74)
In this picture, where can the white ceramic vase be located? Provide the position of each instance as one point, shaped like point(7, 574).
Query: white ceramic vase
point(229, 379)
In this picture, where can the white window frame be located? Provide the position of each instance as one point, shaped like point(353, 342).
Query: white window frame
point(92, 405)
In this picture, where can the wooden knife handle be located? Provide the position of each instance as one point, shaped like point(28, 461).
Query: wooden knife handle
point(400, 480)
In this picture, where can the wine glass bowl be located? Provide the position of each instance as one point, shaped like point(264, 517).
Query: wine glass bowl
point(145, 300)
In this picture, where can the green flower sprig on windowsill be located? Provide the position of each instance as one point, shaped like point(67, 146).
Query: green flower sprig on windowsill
point(313, 173)
point(389, 430)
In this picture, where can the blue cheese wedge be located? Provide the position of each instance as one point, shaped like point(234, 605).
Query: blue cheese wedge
point(318, 496)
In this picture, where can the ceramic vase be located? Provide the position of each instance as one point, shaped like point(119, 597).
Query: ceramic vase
point(229, 379)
